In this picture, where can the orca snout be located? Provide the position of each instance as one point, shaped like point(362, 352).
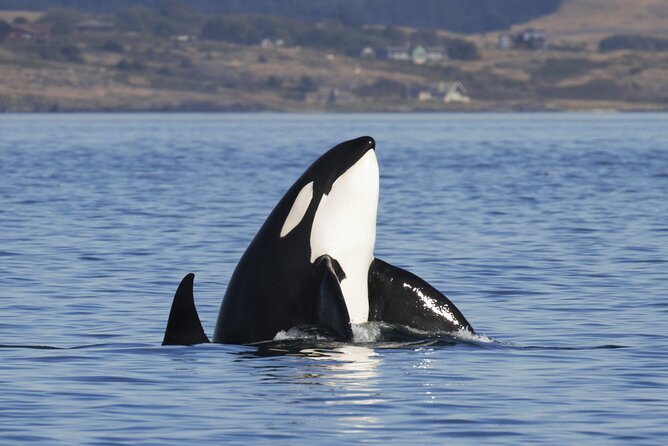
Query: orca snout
point(368, 143)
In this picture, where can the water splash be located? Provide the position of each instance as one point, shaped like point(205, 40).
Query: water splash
point(466, 335)
point(381, 334)
point(366, 333)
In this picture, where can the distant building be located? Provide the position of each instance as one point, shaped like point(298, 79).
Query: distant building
point(454, 92)
point(269, 43)
point(367, 53)
point(425, 95)
point(436, 53)
point(92, 25)
point(30, 32)
point(418, 54)
point(530, 39)
point(447, 92)
point(504, 42)
point(402, 53)
point(183, 38)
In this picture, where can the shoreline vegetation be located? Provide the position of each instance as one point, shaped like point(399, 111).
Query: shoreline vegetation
point(174, 58)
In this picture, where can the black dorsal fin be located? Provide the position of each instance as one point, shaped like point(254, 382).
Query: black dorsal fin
point(184, 326)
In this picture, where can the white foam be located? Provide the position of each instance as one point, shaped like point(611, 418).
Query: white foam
point(466, 335)
point(366, 333)
point(297, 333)
point(372, 332)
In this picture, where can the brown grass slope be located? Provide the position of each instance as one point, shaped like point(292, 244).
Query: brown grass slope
point(595, 19)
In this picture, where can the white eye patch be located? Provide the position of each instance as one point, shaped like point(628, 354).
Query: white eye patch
point(298, 210)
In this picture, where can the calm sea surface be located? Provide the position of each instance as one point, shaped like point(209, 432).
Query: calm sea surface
point(549, 232)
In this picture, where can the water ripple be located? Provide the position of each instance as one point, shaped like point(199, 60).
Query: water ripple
point(547, 231)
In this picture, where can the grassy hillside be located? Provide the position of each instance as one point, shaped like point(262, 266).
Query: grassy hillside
point(177, 58)
point(468, 16)
point(592, 20)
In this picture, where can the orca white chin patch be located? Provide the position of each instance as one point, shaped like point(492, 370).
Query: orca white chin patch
point(344, 227)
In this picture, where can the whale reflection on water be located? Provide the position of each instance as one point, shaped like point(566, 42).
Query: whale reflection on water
point(339, 376)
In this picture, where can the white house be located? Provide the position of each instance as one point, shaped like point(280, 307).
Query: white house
point(454, 92)
point(448, 92)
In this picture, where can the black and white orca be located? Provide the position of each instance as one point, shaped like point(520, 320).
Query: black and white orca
point(311, 264)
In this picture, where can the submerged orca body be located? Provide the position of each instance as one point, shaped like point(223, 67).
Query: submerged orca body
point(311, 264)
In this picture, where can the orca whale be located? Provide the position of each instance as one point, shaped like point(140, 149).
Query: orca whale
point(311, 264)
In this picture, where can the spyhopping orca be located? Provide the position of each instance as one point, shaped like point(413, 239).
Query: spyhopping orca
point(312, 264)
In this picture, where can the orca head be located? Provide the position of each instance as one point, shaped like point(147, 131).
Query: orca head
point(334, 203)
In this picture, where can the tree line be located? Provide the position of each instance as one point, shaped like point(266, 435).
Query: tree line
point(464, 16)
point(174, 17)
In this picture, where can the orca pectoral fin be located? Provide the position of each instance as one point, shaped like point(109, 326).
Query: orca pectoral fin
point(397, 296)
point(184, 326)
point(331, 309)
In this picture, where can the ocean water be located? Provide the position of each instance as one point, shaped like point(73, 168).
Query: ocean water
point(548, 231)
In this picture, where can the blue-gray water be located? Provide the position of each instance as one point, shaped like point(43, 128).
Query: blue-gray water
point(549, 232)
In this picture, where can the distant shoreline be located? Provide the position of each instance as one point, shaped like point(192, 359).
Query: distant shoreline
point(338, 112)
